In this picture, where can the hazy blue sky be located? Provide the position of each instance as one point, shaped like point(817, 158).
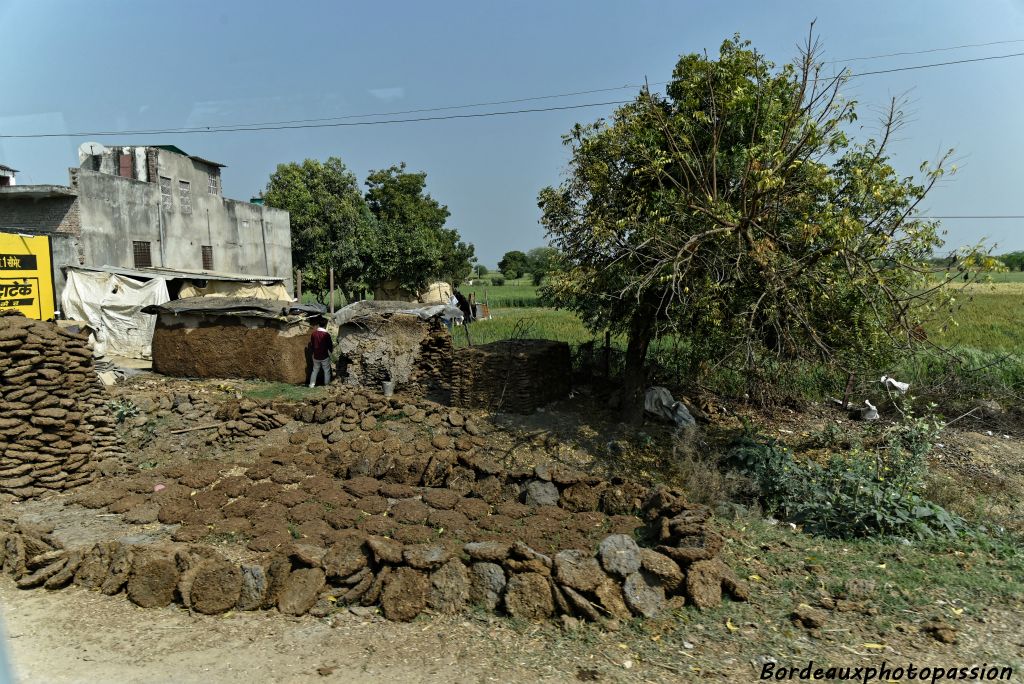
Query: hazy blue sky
point(105, 65)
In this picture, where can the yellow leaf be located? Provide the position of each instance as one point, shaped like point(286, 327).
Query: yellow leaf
point(874, 646)
point(332, 599)
point(730, 626)
point(957, 611)
point(882, 566)
point(754, 578)
point(656, 637)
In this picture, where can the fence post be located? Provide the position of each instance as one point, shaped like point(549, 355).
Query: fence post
point(607, 354)
point(331, 285)
point(298, 285)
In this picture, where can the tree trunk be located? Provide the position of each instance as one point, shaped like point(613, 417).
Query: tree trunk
point(634, 375)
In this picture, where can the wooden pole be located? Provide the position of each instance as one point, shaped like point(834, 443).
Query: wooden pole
point(298, 285)
point(331, 285)
point(607, 354)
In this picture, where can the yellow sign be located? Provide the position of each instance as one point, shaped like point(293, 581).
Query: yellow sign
point(26, 279)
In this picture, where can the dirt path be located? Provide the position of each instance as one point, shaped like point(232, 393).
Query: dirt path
point(81, 636)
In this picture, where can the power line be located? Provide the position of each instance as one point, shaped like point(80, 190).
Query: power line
point(397, 113)
point(922, 52)
point(344, 121)
point(1005, 216)
point(317, 125)
point(937, 64)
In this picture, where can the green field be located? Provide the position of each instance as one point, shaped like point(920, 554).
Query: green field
point(986, 337)
point(514, 293)
point(989, 317)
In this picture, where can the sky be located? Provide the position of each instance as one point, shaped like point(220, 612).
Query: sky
point(110, 65)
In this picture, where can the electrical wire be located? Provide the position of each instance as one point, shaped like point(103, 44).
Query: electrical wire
point(345, 121)
point(936, 64)
point(474, 115)
point(923, 52)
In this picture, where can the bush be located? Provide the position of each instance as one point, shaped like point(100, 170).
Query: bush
point(123, 409)
point(497, 280)
point(857, 494)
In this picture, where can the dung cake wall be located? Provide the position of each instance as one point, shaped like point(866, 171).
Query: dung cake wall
point(230, 347)
point(54, 423)
point(414, 354)
point(515, 376)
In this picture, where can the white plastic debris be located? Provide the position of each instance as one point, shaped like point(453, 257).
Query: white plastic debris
point(658, 401)
point(894, 385)
point(871, 413)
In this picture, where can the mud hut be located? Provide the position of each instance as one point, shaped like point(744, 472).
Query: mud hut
point(232, 337)
point(401, 343)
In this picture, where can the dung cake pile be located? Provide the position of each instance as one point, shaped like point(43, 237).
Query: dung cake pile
point(384, 502)
point(54, 424)
point(380, 347)
point(515, 376)
point(246, 419)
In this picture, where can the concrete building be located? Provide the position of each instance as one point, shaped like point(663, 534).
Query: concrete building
point(142, 206)
point(7, 175)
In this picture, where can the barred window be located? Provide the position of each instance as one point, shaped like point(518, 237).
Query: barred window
point(185, 191)
point(207, 257)
point(165, 191)
point(141, 254)
point(214, 184)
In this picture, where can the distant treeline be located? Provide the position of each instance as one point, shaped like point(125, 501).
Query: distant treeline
point(1014, 261)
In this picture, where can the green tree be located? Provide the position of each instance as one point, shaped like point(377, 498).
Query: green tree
point(481, 270)
point(1014, 261)
point(330, 222)
point(513, 264)
point(411, 244)
point(540, 261)
point(735, 213)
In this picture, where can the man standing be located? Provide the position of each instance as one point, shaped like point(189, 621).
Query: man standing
point(321, 345)
point(463, 304)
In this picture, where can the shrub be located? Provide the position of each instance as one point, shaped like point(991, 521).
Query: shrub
point(123, 409)
point(857, 494)
point(497, 280)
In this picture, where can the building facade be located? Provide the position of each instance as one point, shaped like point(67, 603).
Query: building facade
point(142, 206)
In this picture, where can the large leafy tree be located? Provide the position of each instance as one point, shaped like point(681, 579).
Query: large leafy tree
point(330, 222)
point(736, 213)
point(411, 244)
point(514, 264)
point(540, 261)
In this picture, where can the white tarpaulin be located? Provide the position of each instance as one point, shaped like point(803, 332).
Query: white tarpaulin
point(112, 305)
point(658, 402)
point(228, 288)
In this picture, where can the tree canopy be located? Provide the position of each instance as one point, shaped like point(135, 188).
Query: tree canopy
point(540, 261)
point(396, 231)
point(411, 244)
point(736, 213)
point(513, 264)
point(330, 221)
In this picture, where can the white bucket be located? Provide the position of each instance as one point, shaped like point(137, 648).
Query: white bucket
point(389, 388)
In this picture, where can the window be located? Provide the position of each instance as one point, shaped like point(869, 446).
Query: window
point(214, 184)
point(185, 192)
point(165, 191)
point(141, 255)
point(207, 257)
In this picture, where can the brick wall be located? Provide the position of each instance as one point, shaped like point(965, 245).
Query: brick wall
point(48, 215)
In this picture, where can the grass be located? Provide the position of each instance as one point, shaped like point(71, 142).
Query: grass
point(987, 338)
point(990, 318)
point(282, 391)
point(514, 293)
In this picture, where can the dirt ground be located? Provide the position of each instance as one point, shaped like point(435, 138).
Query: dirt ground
point(77, 635)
